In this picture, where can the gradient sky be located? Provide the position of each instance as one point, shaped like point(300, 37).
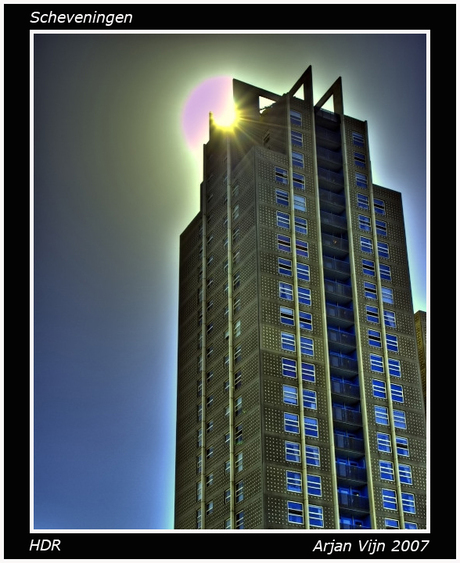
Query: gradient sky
point(116, 181)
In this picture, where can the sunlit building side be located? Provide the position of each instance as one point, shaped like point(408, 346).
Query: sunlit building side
point(300, 402)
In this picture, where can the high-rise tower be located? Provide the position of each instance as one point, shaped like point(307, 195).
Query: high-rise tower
point(300, 402)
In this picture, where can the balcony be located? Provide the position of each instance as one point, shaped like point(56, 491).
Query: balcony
point(346, 391)
point(333, 223)
point(337, 291)
point(336, 246)
point(338, 269)
point(342, 366)
point(346, 418)
point(340, 316)
point(350, 473)
point(329, 159)
point(331, 181)
point(349, 445)
point(331, 201)
point(327, 138)
point(341, 341)
point(353, 502)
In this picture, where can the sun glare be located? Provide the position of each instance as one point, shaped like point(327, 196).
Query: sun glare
point(227, 116)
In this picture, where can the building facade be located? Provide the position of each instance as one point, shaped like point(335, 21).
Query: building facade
point(300, 403)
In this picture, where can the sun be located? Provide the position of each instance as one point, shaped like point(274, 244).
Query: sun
point(227, 116)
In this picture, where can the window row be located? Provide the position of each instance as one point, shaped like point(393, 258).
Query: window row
point(384, 272)
point(375, 340)
point(384, 444)
point(364, 224)
point(394, 366)
point(283, 221)
point(239, 519)
point(373, 315)
point(363, 203)
point(367, 245)
point(390, 501)
point(281, 176)
point(288, 344)
point(382, 417)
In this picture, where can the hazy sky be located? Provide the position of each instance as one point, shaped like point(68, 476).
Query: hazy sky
point(115, 184)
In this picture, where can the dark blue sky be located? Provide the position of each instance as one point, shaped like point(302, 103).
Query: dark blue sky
point(115, 183)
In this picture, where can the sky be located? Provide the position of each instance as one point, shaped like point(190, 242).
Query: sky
point(117, 170)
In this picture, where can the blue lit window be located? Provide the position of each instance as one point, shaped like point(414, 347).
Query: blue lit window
point(360, 159)
point(292, 451)
point(314, 485)
point(284, 243)
point(364, 223)
point(410, 526)
point(295, 512)
point(281, 175)
point(387, 295)
point(303, 271)
point(372, 314)
point(306, 346)
point(383, 250)
point(309, 399)
point(397, 394)
point(392, 343)
point(284, 267)
point(405, 474)
point(287, 316)
point(282, 197)
point(368, 268)
point(389, 499)
point(312, 455)
point(386, 470)
point(300, 203)
point(402, 446)
point(366, 244)
point(298, 180)
point(376, 363)
point(399, 418)
point(287, 342)
point(381, 228)
point(378, 389)
point(370, 290)
point(383, 442)
point(304, 295)
point(381, 415)
point(315, 516)
point(305, 320)
point(286, 291)
point(283, 220)
point(394, 367)
point(301, 248)
point(297, 159)
point(297, 138)
point(389, 318)
point(361, 180)
point(363, 201)
point(290, 395)
point(239, 523)
point(296, 118)
point(385, 272)
point(374, 338)
point(289, 368)
point(293, 481)
point(300, 225)
point(308, 372)
point(408, 502)
point(291, 423)
point(391, 523)
point(311, 427)
point(379, 206)
point(358, 139)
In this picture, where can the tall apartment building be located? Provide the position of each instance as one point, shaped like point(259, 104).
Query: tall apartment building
point(300, 403)
point(420, 331)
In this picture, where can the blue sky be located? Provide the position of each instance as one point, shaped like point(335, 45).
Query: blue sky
point(115, 183)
